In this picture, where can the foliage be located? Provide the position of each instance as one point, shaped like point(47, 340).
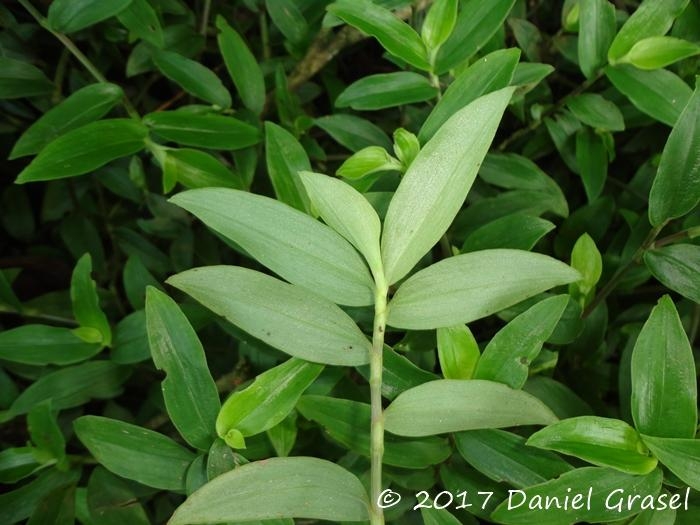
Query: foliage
point(354, 260)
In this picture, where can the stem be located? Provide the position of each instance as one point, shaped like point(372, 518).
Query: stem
point(77, 53)
point(205, 18)
point(375, 385)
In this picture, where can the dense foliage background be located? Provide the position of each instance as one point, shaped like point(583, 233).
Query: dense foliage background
point(109, 108)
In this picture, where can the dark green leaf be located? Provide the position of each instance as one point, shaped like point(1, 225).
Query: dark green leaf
point(353, 132)
point(304, 488)
point(592, 160)
point(86, 302)
point(203, 131)
point(676, 266)
point(58, 508)
point(189, 391)
point(36, 344)
point(676, 188)
point(135, 453)
point(602, 441)
point(386, 90)
point(681, 456)
point(396, 36)
point(45, 432)
point(288, 18)
point(142, 22)
point(19, 504)
point(19, 79)
point(595, 34)
point(85, 149)
point(516, 231)
point(196, 169)
point(82, 107)
point(596, 111)
point(69, 16)
point(439, 406)
point(560, 398)
point(285, 158)
point(112, 502)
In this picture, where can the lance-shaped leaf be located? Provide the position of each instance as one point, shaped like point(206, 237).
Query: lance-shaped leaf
point(242, 66)
point(305, 252)
point(676, 188)
point(111, 499)
point(353, 132)
point(36, 344)
point(282, 315)
point(676, 266)
point(285, 158)
point(595, 484)
point(395, 35)
point(142, 21)
point(508, 355)
point(83, 106)
point(595, 34)
point(473, 285)
point(680, 456)
point(439, 23)
point(266, 402)
point(19, 79)
point(68, 16)
point(85, 149)
point(86, 302)
point(348, 423)
point(602, 441)
point(453, 405)
point(304, 487)
point(19, 504)
point(659, 51)
point(664, 386)
point(196, 169)
point(489, 73)
point(651, 18)
point(348, 212)
point(596, 111)
point(189, 391)
point(504, 456)
point(434, 188)
point(386, 90)
point(193, 77)
point(134, 452)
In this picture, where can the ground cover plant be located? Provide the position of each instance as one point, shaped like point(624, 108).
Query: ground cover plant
point(356, 262)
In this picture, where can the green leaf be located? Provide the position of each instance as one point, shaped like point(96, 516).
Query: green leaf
point(595, 485)
point(58, 508)
point(45, 432)
point(72, 386)
point(353, 132)
point(406, 146)
point(372, 159)
point(516, 231)
point(651, 18)
point(193, 77)
point(348, 212)
point(189, 391)
point(452, 405)
point(595, 34)
point(85, 149)
point(287, 16)
point(476, 23)
point(86, 302)
point(508, 355)
point(111, 501)
point(489, 73)
point(134, 452)
point(395, 35)
point(438, 24)
point(82, 107)
point(203, 131)
point(69, 16)
point(592, 160)
point(19, 80)
point(196, 169)
point(17, 463)
point(470, 286)
point(596, 111)
point(142, 22)
point(36, 344)
point(386, 90)
point(676, 188)
point(19, 504)
point(560, 398)
point(433, 516)
point(242, 66)
point(659, 93)
point(130, 339)
point(585, 258)
point(305, 252)
point(348, 423)
point(285, 158)
point(676, 266)
point(504, 457)
point(458, 352)
point(304, 488)
point(602, 441)
point(283, 435)
point(267, 401)
point(680, 456)
point(429, 204)
point(664, 388)
point(659, 51)
point(284, 316)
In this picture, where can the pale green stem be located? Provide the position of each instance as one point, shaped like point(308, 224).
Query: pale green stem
point(375, 385)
